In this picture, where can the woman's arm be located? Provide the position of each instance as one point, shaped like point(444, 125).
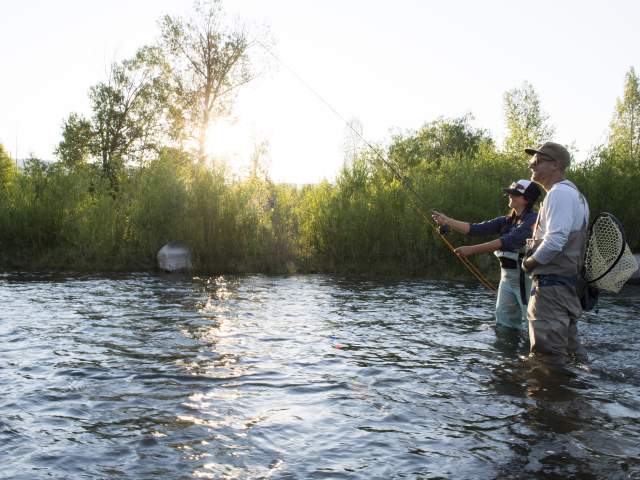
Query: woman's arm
point(442, 219)
point(516, 237)
point(467, 250)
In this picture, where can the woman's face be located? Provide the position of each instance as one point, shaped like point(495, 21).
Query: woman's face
point(517, 202)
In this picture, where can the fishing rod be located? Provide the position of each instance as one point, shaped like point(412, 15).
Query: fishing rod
point(421, 205)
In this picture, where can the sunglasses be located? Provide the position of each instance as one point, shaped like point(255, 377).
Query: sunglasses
point(538, 158)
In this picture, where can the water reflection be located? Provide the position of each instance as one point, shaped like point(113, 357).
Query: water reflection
point(301, 377)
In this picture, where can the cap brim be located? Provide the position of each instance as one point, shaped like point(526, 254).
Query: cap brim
point(531, 151)
point(512, 191)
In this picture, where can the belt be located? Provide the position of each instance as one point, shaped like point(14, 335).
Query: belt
point(552, 280)
point(509, 263)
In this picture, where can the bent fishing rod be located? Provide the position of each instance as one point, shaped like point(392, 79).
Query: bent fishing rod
point(420, 205)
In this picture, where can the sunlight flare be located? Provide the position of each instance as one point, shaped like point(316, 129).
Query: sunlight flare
point(231, 141)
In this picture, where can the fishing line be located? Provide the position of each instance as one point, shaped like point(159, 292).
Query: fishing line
point(394, 169)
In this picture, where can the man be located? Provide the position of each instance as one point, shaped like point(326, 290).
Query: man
point(555, 258)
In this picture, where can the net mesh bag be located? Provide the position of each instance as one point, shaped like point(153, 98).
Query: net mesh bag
point(609, 262)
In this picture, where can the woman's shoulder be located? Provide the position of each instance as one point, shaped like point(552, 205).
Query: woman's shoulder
point(528, 218)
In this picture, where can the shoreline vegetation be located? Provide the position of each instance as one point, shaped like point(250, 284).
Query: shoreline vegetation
point(56, 218)
point(135, 175)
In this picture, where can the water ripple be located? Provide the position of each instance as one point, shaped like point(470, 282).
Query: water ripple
point(140, 376)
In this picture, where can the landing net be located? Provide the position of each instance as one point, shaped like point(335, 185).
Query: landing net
point(609, 262)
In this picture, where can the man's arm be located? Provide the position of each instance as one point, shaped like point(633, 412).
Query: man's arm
point(559, 220)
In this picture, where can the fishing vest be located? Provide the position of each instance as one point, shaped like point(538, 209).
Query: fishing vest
point(568, 262)
point(510, 258)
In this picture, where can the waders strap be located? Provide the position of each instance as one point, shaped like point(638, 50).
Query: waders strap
point(523, 289)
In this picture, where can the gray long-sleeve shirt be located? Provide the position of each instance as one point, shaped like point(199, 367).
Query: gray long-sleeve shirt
point(563, 211)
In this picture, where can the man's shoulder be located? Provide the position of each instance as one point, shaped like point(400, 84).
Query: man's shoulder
point(564, 189)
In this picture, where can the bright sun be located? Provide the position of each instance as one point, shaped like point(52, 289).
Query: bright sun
point(230, 141)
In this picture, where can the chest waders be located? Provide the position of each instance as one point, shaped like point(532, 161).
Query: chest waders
point(513, 260)
point(511, 302)
point(554, 306)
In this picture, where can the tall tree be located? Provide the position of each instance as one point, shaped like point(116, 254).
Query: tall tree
point(527, 124)
point(126, 121)
point(353, 143)
point(210, 62)
point(7, 167)
point(624, 137)
point(77, 138)
point(437, 139)
point(126, 111)
point(259, 159)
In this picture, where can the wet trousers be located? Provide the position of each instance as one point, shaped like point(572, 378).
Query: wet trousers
point(511, 311)
point(553, 313)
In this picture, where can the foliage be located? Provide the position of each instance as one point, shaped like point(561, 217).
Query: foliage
point(210, 61)
point(610, 176)
point(527, 124)
point(129, 179)
point(56, 217)
point(609, 182)
point(126, 120)
point(368, 220)
point(624, 138)
point(77, 138)
point(7, 168)
point(437, 139)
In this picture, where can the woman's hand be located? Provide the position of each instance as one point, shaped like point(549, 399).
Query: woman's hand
point(439, 218)
point(465, 250)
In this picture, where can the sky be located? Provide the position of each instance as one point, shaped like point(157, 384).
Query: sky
point(392, 65)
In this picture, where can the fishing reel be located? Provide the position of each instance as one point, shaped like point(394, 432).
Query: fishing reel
point(444, 229)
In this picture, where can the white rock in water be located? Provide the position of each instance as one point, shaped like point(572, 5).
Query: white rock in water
point(174, 257)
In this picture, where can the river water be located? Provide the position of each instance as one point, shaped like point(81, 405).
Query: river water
point(297, 377)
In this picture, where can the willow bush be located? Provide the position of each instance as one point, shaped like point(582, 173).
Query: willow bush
point(367, 221)
point(371, 220)
point(610, 182)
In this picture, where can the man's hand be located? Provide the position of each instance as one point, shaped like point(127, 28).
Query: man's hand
point(529, 264)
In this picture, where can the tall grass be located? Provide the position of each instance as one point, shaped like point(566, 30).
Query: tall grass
point(367, 221)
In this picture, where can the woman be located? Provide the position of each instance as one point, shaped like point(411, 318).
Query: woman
point(513, 230)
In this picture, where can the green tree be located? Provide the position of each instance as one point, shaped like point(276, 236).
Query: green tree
point(127, 111)
point(7, 167)
point(527, 124)
point(259, 159)
point(438, 139)
point(353, 142)
point(624, 137)
point(126, 124)
point(77, 138)
point(210, 61)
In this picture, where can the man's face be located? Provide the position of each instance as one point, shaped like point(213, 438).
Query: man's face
point(542, 167)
